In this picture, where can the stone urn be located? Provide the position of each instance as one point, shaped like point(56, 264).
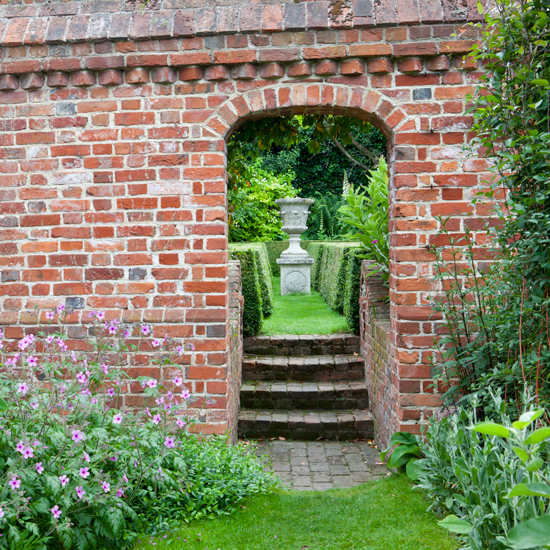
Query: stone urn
point(295, 262)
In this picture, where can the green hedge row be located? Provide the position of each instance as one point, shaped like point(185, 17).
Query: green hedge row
point(276, 248)
point(257, 284)
point(336, 275)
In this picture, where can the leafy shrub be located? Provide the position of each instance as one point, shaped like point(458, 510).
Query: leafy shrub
point(323, 221)
point(261, 260)
point(274, 250)
point(352, 289)
point(366, 215)
point(254, 216)
point(491, 478)
point(77, 473)
point(497, 319)
point(331, 273)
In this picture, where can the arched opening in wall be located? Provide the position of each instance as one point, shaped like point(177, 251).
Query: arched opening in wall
point(303, 376)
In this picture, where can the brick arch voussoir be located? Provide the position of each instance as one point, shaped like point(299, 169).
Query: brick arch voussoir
point(300, 98)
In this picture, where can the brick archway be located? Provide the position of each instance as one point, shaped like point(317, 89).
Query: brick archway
point(113, 127)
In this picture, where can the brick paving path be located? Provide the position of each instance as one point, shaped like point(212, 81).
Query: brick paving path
point(320, 465)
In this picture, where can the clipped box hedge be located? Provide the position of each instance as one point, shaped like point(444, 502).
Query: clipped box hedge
point(257, 284)
point(276, 248)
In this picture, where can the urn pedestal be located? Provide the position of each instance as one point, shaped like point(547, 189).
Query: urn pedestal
point(295, 262)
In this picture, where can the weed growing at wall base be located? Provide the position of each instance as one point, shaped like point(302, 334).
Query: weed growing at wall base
point(77, 472)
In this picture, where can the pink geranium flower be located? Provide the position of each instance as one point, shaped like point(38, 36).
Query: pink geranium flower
point(39, 467)
point(80, 491)
point(100, 315)
point(84, 472)
point(23, 388)
point(185, 394)
point(56, 511)
point(78, 436)
point(178, 381)
point(28, 453)
point(156, 419)
point(50, 315)
point(152, 383)
point(169, 442)
point(117, 419)
point(64, 480)
point(20, 447)
point(15, 483)
point(32, 361)
point(106, 486)
point(145, 329)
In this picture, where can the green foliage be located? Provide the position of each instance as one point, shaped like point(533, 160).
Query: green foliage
point(405, 452)
point(497, 317)
point(366, 215)
point(257, 284)
point(254, 216)
point(323, 221)
point(274, 250)
point(317, 148)
point(352, 289)
point(75, 472)
point(493, 477)
point(330, 275)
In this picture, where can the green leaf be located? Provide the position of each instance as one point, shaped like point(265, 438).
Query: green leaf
point(530, 490)
point(480, 8)
point(521, 453)
point(526, 418)
point(413, 468)
point(535, 465)
point(3, 405)
point(540, 82)
point(402, 454)
point(530, 534)
point(456, 525)
point(537, 436)
point(490, 428)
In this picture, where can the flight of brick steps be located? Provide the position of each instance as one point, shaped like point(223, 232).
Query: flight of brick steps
point(304, 388)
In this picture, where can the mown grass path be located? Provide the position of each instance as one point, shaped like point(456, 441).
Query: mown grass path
point(302, 314)
point(381, 515)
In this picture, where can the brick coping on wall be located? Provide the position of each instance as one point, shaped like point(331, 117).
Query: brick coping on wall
point(120, 20)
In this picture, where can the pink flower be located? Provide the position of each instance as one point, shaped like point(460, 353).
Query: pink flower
point(64, 480)
point(152, 383)
point(34, 405)
point(73, 355)
point(178, 381)
point(105, 368)
point(185, 394)
point(20, 447)
point(78, 436)
point(191, 347)
point(100, 315)
point(181, 423)
point(156, 342)
point(156, 419)
point(94, 401)
point(80, 491)
point(169, 442)
point(82, 378)
point(145, 329)
point(56, 511)
point(1, 512)
point(84, 472)
point(50, 338)
point(111, 392)
point(374, 241)
point(125, 478)
point(117, 419)
point(179, 350)
point(15, 483)
point(22, 388)
point(32, 361)
point(86, 457)
point(28, 453)
point(60, 308)
point(106, 486)
point(50, 315)
point(127, 333)
point(39, 467)
point(120, 493)
point(112, 329)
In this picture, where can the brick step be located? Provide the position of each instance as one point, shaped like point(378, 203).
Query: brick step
point(305, 395)
point(313, 368)
point(301, 345)
point(306, 425)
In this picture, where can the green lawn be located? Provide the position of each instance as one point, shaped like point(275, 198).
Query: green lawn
point(381, 515)
point(302, 314)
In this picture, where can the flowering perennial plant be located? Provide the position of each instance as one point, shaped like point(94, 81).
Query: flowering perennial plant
point(78, 472)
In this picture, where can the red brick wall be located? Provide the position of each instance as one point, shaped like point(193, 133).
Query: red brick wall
point(112, 158)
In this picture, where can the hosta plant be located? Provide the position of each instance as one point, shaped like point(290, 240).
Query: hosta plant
point(77, 470)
